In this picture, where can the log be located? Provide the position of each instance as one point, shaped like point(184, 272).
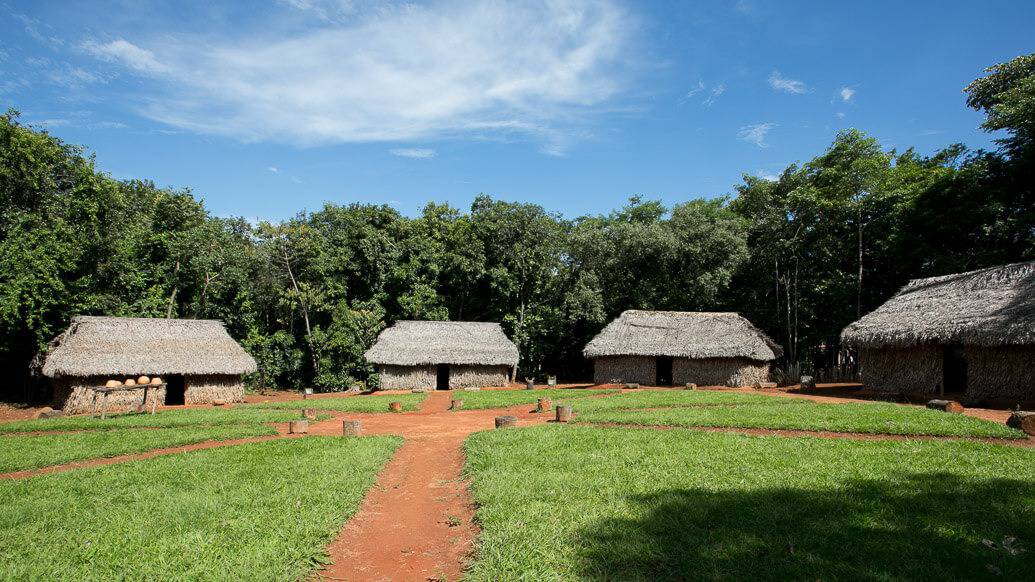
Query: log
point(456, 404)
point(1023, 421)
point(631, 386)
point(298, 427)
point(691, 386)
point(765, 385)
point(351, 427)
point(395, 406)
point(946, 406)
point(309, 413)
point(50, 414)
point(563, 412)
point(543, 404)
point(505, 421)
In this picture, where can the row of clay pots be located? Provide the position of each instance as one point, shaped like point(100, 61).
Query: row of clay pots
point(131, 382)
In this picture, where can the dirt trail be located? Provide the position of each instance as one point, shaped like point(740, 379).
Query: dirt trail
point(417, 522)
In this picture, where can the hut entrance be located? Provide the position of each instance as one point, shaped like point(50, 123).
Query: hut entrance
point(954, 369)
point(663, 371)
point(175, 390)
point(442, 377)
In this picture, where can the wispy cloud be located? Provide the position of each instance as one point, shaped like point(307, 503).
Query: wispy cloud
point(717, 92)
point(711, 95)
point(781, 83)
point(396, 74)
point(756, 133)
point(273, 169)
point(840, 114)
point(847, 93)
point(692, 92)
point(415, 153)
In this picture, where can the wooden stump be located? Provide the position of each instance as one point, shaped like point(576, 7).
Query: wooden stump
point(631, 386)
point(395, 406)
point(543, 404)
point(563, 413)
point(309, 413)
point(807, 382)
point(691, 386)
point(456, 404)
point(505, 421)
point(946, 406)
point(1022, 420)
point(298, 427)
point(351, 427)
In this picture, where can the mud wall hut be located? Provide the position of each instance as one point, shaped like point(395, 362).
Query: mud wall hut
point(443, 355)
point(676, 347)
point(969, 334)
point(197, 360)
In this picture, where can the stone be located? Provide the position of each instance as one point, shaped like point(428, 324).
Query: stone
point(48, 412)
point(691, 386)
point(1024, 421)
point(946, 406)
point(631, 386)
point(395, 407)
point(807, 382)
point(219, 403)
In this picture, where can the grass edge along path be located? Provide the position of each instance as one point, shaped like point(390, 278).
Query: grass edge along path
point(488, 399)
point(255, 511)
point(239, 415)
point(26, 452)
point(642, 505)
point(359, 403)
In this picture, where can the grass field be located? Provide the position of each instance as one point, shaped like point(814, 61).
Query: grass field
point(568, 503)
point(358, 403)
point(165, 419)
point(736, 409)
point(19, 453)
point(262, 511)
point(482, 399)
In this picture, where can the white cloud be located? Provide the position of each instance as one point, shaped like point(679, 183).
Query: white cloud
point(126, 53)
point(695, 90)
point(780, 83)
point(415, 153)
point(847, 93)
point(397, 74)
point(756, 133)
point(717, 92)
point(840, 114)
point(273, 169)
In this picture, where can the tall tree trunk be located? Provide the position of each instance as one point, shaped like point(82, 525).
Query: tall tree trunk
point(172, 296)
point(305, 315)
point(859, 280)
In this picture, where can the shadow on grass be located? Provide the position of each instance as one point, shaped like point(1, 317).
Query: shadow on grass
point(918, 527)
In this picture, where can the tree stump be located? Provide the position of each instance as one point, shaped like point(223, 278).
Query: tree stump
point(1022, 420)
point(691, 386)
point(543, 404)
point(456, 404)
point(395, 406)
point(351, 427)
point(298, 427)
point(946, 406)
point(563, 413)
point(529, 384)
point(505, 421)
point(309, 413)
point(807, 382)
point(631, 386)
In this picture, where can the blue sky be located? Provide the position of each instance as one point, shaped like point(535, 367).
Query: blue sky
point(267, 109)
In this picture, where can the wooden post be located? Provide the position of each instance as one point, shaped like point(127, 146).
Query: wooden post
point(298, 427)
point(563, 412)
point(104, 405)
point(543, 404)
point(505, 421)
point(309, 413)
point(351, 427)
point(691, 386)
point(395, 407)
point(946, 406)
point(1023, 421)
point(456, 404)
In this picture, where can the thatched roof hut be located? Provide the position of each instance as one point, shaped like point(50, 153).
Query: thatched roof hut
point(971, 332)
point(198, 358)
point(664, 347)
point(423, 355)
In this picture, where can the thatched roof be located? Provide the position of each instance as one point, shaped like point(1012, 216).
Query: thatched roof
point(988, 307)
point(682, 334)
point(115, 346)
point(414, 343)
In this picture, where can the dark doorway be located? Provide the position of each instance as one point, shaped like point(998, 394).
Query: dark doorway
point(442, 378)
point(954, 369)
point(663, 371)
point(174, 390)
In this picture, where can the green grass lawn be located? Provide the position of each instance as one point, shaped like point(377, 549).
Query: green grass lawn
point(737, 409)
point(481, 399)
point(570, 503)
point(238, 414)
point(262, 511)
point(357, 403)
point(18, 453)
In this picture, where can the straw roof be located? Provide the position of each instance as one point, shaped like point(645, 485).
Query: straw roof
point(988, 307)
point(682, 334)
point(415, 343)
point(114, 346)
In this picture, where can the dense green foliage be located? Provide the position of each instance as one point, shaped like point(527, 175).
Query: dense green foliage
point(801, 255)
point(22, 452)
point(733, 507)
point(262, 511)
